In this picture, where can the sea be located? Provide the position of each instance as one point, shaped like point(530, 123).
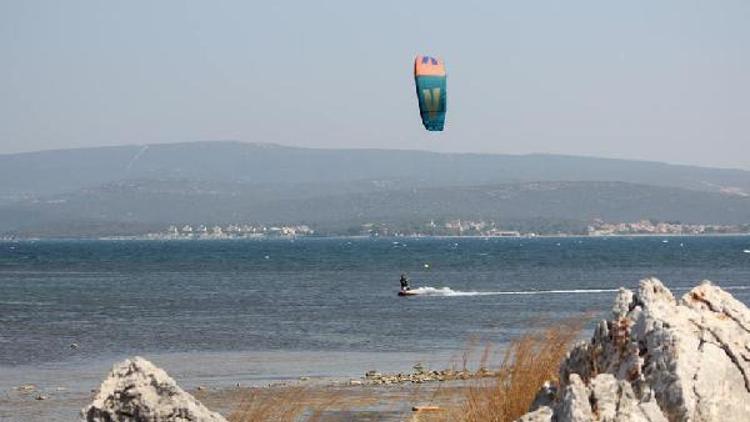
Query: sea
point(223, 312)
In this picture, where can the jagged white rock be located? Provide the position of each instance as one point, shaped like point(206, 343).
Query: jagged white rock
point(542, 414)
point(138, 391)
point(659, 359)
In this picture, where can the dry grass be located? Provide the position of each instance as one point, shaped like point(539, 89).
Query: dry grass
point(528, 362)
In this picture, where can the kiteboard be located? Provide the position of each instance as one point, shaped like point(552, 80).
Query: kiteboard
point(407, 293)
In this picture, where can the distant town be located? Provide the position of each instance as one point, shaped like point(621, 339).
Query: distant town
point(460, 227)
point(452, 227)
point(600, 228)
point(231, 231)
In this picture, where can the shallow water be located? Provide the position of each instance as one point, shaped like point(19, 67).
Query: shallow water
point(191, 301)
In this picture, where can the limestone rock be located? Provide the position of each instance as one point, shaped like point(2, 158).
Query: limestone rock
point(575, 405)
point(542, 414)
point(660, 359)
point(138, 391)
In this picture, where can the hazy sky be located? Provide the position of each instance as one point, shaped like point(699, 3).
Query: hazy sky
point(660, 80)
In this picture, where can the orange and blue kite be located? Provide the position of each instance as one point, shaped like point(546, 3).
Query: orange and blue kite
point(429, 76)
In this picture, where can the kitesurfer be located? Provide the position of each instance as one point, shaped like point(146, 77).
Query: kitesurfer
point(404, 283)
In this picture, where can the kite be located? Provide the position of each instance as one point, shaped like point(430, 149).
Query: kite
point(429, 77)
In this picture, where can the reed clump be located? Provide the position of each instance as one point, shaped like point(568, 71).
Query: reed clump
point(489, 394)
point(528, 362)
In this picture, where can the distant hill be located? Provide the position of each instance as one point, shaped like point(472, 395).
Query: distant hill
point(136, 207)
point(54, 172)
point(132, 189)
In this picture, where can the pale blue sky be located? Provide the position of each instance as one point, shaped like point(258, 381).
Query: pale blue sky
point(660, 80)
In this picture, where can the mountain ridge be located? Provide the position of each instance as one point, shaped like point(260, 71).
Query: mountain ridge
point(56, 171)
point(365, 149)
point(141, 187)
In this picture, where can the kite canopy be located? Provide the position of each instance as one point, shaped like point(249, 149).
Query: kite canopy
point(429, 77)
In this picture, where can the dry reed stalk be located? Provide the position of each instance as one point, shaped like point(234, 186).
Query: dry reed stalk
point(529, 361)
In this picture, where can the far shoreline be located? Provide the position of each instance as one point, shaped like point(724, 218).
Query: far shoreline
point(363, 237)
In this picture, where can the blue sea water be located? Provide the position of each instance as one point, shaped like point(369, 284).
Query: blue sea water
point(118, 298)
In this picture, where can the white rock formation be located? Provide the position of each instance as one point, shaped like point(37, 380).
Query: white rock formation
point(659, 359)
point(138, 391)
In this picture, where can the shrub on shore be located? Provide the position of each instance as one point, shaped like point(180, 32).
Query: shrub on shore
point(529, 361)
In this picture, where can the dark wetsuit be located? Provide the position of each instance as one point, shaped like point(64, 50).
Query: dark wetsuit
point(404, 283)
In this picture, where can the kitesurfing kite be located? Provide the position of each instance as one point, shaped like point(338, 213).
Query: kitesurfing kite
point(429, 77)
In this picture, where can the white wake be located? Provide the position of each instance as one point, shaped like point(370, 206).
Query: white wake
point(448, 292)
